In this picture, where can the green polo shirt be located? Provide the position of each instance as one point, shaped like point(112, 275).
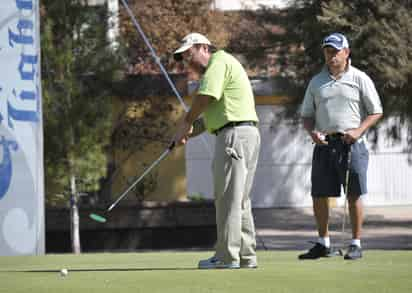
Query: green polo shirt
point(227, 82)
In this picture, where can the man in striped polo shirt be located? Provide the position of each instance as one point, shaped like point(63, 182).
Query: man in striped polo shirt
point(340, 105)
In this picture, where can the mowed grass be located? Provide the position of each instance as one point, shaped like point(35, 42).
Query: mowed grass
point(279, 271)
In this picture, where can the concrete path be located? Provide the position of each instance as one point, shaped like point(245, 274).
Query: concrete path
point(291, 229)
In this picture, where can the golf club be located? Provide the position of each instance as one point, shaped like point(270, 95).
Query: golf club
point(102, 219)
point(339, 252)
point(345, 205)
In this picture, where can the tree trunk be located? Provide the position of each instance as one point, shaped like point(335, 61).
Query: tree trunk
point(74, 216)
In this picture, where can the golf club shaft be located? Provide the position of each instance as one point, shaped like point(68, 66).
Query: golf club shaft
point(152, 51)
point(346, 193)
point(162, 156)
point(157, 60)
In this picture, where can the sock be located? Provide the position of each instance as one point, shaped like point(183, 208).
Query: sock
point(325, 241)
point(356, 242)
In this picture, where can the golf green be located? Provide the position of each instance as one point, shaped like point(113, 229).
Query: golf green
point(279, 271)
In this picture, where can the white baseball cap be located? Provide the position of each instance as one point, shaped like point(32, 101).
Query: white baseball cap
point(190, 40)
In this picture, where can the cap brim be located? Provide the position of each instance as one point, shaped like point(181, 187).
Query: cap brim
point(183, 48)
point(177, 55)
point(332, 45)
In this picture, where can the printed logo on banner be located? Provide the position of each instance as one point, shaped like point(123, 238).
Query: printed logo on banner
point(6, 168)
point(24, 94)
point(21, 171)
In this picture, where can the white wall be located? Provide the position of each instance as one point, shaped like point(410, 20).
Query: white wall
point(390, 171)
point(283, 173)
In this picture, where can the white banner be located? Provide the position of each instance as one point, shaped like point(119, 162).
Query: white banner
point(21, 130)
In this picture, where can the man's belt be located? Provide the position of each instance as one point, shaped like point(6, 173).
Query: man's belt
point(234, 124)
point(334, 136)
point(339, 136)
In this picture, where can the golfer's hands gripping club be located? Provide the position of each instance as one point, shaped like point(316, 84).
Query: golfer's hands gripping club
point(185, 126)
point(183, 133)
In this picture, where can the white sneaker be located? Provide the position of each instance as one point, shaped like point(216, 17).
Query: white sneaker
point(214, 263)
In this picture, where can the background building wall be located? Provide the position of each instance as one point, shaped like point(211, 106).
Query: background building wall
point(283, 173)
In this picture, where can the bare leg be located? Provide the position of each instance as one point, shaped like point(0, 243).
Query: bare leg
point(321, 211)
point(356, 215)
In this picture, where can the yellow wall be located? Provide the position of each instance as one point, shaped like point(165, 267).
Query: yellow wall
point(170, 174)
point(273, 100)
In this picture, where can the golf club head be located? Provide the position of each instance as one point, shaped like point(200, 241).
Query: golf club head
point(97, 218)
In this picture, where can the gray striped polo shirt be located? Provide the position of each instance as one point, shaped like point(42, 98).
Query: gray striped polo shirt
point(339, 105)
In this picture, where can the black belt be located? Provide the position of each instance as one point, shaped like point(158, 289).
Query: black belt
point(234, 124)
point(334, 136)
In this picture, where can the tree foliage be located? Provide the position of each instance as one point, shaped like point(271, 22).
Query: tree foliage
point(380, 34)
point(78, 68)
point(166, 22)
point(380, 45)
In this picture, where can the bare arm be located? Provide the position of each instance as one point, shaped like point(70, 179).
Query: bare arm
point(309, 125)
point(185, 128)
point(352, 135)
point(200, 104)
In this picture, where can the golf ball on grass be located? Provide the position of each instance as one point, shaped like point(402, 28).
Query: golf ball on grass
point(64, 272)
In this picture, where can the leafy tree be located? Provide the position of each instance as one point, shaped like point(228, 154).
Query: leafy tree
point(78, 68)
point(380, 33)
point(166, 22)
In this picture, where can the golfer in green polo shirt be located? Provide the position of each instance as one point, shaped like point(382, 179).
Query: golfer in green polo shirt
point(226, 102)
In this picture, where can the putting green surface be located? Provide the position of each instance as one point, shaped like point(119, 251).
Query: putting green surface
point(279, 271)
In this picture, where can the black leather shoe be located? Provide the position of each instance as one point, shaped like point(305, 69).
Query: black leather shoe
point(316, 252)
point(354, 252)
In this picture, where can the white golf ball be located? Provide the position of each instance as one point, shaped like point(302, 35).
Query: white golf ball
point(64, 272)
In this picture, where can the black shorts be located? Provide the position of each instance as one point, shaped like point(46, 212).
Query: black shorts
point(329, 165)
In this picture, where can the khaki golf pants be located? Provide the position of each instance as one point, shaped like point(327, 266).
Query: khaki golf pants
point(234, 166)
